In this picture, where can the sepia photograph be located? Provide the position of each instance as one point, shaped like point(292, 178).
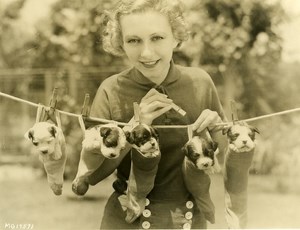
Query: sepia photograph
point(149, 114)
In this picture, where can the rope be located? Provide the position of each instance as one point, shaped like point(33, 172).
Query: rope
point(156, 126)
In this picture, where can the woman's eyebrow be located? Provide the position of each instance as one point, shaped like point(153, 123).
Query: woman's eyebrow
point(160, 33)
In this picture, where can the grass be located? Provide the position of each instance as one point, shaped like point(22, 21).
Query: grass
point(26, 199)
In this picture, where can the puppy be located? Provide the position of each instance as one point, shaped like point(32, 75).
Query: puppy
point(203, 154)
point(49, 142)
point(238, 160)
point(199, 162)
point(145, 158)
point(241, 137)
point(144, 138)
point(100, 142)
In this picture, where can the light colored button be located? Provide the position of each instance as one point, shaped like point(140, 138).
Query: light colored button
point(146, 225)
point(189, 215)
point(187, 226)
point(146, 213)
point(189, 204)
point(147, 201)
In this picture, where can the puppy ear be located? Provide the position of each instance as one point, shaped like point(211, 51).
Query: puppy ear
point(104, 131)
point(225, 130)
point(52, 130)
point(254, 129)
point(214, 145)
point(154, 132)
point(29, 134)
point(184, 149)
point(129, 137)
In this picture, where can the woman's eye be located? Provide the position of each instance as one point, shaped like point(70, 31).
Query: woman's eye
point(133, 41)
point(157, 38)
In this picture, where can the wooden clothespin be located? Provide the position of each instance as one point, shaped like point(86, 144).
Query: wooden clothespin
point(136, 110)
point(51, 113)
point(207, 134)
point(53, 102)
point(48, 113)
point(234, 112)
point(190, 131)
point(40, 114)
point(85, 112)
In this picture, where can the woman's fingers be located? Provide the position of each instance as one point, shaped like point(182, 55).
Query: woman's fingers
point(206, 119)
point(154, 104)
point(156, 97)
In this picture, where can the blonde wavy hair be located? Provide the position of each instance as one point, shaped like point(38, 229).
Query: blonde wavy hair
point(112, 36)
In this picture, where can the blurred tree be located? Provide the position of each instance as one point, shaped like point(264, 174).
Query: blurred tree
point(11, 43)
point(239, 45)
point(72, 35)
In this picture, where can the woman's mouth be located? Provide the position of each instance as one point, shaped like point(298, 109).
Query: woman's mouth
point(149, 64)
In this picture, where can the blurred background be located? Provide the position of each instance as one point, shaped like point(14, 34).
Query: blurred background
point(250, 48)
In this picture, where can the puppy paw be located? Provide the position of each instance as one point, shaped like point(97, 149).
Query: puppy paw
point(209, 171)
point(80, 186)
point(56, 188)
point(233, 148)
point(90, 145)
point(120, 186)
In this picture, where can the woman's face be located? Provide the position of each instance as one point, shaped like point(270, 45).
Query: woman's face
point(148, 43)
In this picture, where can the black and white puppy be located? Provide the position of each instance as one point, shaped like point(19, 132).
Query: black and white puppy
point(200, 161)
point(144, 138)
point(49, 142)
point(238, 160)
point(109, 139)
point(203, 153)
point(100, 142)
point(241, 137)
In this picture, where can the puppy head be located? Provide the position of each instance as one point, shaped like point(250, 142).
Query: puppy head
point(145, 139)
point(201, 152)
point(113, 140)
point(43, 136)
point(241, 136)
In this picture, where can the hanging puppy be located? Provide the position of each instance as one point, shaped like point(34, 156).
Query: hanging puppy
point(238, 159)
point(49, 143)
point(100, 142)
point(200, 161)
point(145, 158)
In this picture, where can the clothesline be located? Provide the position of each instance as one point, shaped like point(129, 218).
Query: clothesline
point(157, 126)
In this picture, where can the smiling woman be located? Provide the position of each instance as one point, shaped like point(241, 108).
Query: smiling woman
point(147, 32)
point(149, 48)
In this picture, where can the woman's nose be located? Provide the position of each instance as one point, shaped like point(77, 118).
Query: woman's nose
point(147, 50)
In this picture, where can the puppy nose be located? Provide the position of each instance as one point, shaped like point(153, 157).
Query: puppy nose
point(244, 142)
point(113, 155)
point(44, 151)
point(205, 165)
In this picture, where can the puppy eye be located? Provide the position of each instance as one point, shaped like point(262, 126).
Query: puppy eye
point(235, 136)
point(145, 136)
point(35, 143)
point(252, 136)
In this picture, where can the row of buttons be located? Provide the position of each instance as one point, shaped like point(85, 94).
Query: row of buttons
point(188, 215)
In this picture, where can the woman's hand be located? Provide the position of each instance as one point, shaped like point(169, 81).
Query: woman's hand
point(207, 118)
point(152, 105)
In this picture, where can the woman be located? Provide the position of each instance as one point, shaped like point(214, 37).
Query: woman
point(147, 32)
